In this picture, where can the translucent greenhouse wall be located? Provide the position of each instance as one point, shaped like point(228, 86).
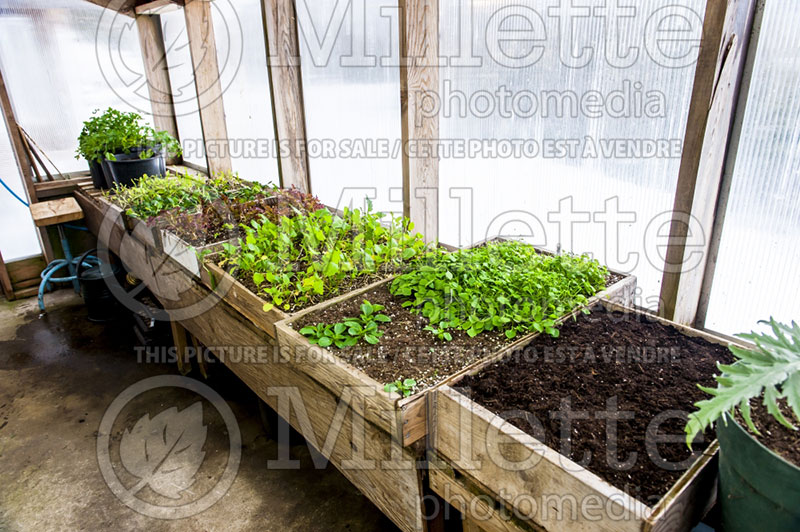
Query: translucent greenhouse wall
point(242, 57)
point(756, 274)
point(184, 91)
point(351, 100)
point(59, 67)
point(18, 238)
point(590, 121)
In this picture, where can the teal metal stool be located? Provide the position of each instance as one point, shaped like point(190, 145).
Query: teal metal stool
point(57, 212)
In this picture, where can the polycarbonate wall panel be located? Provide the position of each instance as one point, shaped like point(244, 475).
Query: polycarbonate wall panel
point(184, 91)
point(566, 125)
point(62, 59)
point(756, 275)
point(242, 56)
point(18, 237)
point(352, 101)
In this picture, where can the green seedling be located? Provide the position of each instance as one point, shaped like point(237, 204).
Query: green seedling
point(349, 332)
point(404, 387)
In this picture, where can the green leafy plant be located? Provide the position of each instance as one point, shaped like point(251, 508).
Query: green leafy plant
point(116, 131)
point(503, 286)
point(298, 261)
point(404, 387)
point(108, 132)
point(220, 219)
point(152, 196)
point(440, 332)
point(771, 369)
point(351, 330)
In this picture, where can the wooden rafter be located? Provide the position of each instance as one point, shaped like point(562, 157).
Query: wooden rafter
point(135, 7)
point(202, 45)
point(286, 90)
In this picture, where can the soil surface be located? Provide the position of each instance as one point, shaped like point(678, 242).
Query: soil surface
point(775, 436)
point(647, 368)
point(406, 350)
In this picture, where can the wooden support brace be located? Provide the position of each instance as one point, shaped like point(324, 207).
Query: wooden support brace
point(286, 90)
point(198, 350)
point(123, 7)
point(419, 76)
point(5, 280)
point(157, 7)
point(182, 355)
point(159, 87)
point(723, 50)
point(203, 48)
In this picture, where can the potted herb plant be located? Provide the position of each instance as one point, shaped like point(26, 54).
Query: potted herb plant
point(759, 464)
point(104, 133)
point(123, 147)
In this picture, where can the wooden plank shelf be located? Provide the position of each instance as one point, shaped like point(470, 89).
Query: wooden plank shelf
point(465, 435)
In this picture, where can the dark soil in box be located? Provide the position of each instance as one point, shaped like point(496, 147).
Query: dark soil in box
point(405, 350)
point(648, 367)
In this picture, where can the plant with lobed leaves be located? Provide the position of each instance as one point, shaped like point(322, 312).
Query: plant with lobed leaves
point(770, 370)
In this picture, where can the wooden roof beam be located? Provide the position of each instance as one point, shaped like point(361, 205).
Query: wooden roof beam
point(138, 7)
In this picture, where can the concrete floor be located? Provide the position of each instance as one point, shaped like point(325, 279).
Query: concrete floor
point(59, 374)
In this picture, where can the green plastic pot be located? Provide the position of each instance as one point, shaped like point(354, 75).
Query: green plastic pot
point(758, 489)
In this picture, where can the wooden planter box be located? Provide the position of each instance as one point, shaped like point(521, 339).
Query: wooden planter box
point(405, 418)
point(394, 484)
point(189, 256)
point(464, 434)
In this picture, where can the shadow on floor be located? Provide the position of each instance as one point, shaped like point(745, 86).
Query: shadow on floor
point(58, 376)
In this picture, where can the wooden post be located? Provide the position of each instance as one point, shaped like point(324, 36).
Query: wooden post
point(5, 280)
point(23, 163)
point(198, 353)
point(154, 56)
point(181, 355)
point(419, 75)
point(200, 29)
point(721, 59)
point(286, 91)
point(730, 165)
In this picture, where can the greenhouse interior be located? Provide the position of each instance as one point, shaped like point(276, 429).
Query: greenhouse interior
point(400, 265)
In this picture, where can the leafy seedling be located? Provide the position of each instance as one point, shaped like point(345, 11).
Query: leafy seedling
point(349, 332)
point(404, 387)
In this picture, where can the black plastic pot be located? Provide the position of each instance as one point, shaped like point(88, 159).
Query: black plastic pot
point(107, 173)
point(758, 489)
point(98, 176)
point(129, 167)
point(97, 296)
